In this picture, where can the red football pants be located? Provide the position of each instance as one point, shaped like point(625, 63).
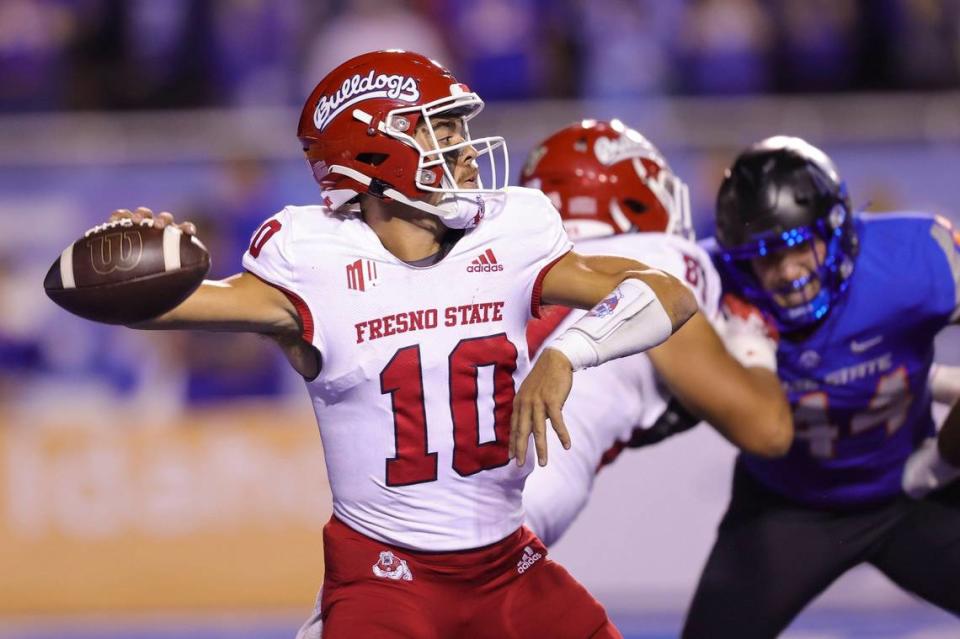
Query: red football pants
point(507, 590)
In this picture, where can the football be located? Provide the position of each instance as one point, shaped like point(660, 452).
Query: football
point(124, 272)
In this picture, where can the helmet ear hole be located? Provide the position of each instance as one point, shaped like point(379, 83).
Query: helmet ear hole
point(635, 206)
point(373, 159)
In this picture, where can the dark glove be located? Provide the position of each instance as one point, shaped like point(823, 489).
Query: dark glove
point(674, 420)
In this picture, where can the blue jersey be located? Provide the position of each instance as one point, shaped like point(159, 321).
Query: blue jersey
point(858, 384)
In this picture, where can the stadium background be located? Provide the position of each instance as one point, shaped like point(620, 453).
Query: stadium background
point(172, 485)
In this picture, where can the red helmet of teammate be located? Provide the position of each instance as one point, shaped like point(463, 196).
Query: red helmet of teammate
point(358, 132)
point(606, 178)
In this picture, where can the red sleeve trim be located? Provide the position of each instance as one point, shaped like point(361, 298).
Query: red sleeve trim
point(538, 286)
point(303, 311)
point(540, 329)
point(306, 317)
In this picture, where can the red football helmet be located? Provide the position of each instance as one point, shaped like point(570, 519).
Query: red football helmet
point(606, 178)
point(357, 129)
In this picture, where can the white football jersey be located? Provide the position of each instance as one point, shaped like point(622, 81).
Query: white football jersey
point(419, 364)
point(608, 401)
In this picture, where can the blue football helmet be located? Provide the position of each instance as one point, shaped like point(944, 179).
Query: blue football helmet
point(781, 193)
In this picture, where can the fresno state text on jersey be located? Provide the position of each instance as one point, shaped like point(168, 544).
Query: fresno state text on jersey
point(429, 318)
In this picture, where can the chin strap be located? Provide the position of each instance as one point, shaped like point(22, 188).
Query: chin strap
point(457, 211)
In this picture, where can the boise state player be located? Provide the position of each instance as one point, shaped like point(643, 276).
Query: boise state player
point(858, 299)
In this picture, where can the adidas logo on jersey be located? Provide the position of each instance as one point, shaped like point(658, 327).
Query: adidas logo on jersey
point(529, 558)
point(486, 263)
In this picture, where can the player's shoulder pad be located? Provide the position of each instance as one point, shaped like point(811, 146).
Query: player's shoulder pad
point(690, 263)
point(268, 255)
point(898, 221)
point(316, 219)
point(903, 232)
point(532, 229)
point(300, 224)
point(529, 209)
point(274, 246)
point(945, 237)
point(681, 245)
point(923, 247)
point(658, 250)
point(894, 216)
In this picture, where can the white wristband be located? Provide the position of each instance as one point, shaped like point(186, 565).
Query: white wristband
point(577, 347)
point(630, 320)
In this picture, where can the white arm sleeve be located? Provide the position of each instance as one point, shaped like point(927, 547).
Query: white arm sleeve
point(630, 320)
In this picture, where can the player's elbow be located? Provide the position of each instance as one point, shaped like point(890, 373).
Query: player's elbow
point(772, 430)
point(677, 300)
point(776, 444)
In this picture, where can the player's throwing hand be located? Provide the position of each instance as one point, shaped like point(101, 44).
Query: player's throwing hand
point(160, 221)
point(541, 397)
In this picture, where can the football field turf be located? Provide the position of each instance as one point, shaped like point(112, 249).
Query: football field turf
point(909, 622)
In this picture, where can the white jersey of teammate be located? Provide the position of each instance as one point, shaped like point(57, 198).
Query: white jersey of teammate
point(419, 364)
point(609, 401)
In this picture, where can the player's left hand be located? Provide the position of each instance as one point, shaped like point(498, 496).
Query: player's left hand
point(541, 397)
point(749, 334)
point(926, 470)
point(674, 419)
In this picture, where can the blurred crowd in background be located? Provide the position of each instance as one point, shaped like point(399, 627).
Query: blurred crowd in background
point(111, 56)
point(130, 54)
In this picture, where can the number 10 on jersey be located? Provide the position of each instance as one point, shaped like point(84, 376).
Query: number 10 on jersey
point(402, 379)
